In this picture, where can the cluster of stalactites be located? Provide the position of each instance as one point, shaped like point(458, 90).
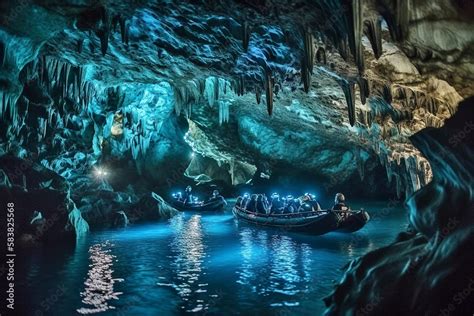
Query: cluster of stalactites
point(64, 77)
point(66, 93)
point(410, 171)
point(212, 90)
point(104, 26)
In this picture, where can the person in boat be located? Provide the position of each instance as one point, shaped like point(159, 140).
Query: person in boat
point(261, 206)
point(216, 197)
point(245, 200)
point(239, 201)
point(340, 203)
point(290, 206)
point(178, 196)
point(276, 205)
point(188, 196)
point(252, 203)
point(311, 204)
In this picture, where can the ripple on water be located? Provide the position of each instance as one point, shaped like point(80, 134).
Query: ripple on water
point(99, 285)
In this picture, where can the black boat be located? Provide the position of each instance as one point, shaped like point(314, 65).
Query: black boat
point(211, 206)
point(314, 222)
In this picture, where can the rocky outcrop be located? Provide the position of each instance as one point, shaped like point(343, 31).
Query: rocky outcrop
point(427, 270)
point(39, 197)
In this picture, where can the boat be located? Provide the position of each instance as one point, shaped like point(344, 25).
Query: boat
point(314, 222)
point(212, 206)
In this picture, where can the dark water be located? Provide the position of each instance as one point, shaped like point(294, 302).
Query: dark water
point(203, 263)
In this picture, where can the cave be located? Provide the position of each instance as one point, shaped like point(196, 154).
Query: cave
point(211, 157)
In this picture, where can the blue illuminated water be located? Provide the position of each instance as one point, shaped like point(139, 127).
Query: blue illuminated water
point(204, 263)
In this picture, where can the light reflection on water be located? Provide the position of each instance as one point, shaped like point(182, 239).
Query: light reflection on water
point(187, 259)
point(202, 263)
point(99, 286)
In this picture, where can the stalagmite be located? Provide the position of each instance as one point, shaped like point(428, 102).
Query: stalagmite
point(373, 30)
point(321, 55)
point(245, 35)
point(269, 92)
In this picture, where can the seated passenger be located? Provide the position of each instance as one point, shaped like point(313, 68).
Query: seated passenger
point(276, 205)
point(260, 206)
point(188, 196)
point(313, 203)
point(245, 200)
point(239, 201)
point(216, 196)
point(289, 205)
point(339, 203)
point(252, 204)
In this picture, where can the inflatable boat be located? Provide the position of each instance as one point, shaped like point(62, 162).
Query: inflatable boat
point(314, 222)
point(212, 206)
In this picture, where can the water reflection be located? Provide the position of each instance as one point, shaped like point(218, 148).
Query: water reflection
point(188, 254)
point(99, 286)
point(274, 266)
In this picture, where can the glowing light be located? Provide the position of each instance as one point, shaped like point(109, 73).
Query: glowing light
point(100, 172)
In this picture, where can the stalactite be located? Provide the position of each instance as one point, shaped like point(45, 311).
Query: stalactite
point(80, 43)
point(398, 185)
point(343, 48)
point(308, 50)
point(373, 30)
point(258, 95)
point(223, 112)
point(3, 53)
point(387, 93)
point(245, 35)
point(269, 92)
point(402, 18)
point(349, 92)
point(355, 34)
point(91, 47)
point(103, 35)
point(363, 88)
point(241, 85)
point(305, 76)
point(360, 163)
point(216, 88)
point(123, 30)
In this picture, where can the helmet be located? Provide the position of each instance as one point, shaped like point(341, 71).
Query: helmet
point(339, 198)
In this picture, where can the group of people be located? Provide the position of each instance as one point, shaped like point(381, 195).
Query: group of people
point(259, 203)
point(189, 198)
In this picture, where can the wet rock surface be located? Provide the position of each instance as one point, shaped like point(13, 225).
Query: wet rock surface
point(428, 270)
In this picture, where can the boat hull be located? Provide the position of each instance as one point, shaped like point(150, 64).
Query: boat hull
point(208, 207)
point(316, 223)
